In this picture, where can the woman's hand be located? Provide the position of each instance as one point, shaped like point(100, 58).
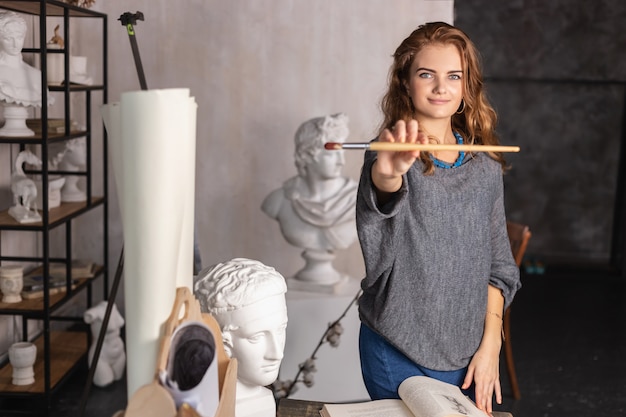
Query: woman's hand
point(390, 166)
point(484, 371)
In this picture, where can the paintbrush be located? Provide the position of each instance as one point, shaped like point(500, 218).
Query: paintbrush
point(403, 146)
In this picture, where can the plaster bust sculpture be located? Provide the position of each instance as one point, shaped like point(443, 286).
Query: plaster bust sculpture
point(247, 299)
point(24, 190)
point(74, 157)
point(20, 83)
point(316, 208)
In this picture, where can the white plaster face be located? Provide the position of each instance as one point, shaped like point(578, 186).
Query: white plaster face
point(327, 164)
point(6, 285)
point(259, 341)
point(12, 39)
point(76, 152)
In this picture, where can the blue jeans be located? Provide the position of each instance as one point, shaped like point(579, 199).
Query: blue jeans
point(384, 367)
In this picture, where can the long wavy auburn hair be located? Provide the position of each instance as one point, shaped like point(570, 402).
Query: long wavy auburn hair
point(477, 121)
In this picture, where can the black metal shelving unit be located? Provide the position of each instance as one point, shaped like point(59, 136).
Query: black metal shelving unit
point(59, 352)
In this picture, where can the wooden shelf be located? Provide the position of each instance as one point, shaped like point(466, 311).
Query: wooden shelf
point(53, 8)
point(37, 137)
point(34, 306)
point(76, 87)
point(55, 215)
point(66, 349)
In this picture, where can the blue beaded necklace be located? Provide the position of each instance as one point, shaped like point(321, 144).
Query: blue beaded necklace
point(459, 160)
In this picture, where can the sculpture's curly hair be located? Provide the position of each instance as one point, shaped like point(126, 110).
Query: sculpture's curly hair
point(7, 17)
point(235, 284)
point(312, 134)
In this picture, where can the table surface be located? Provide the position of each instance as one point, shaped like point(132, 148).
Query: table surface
point(302, 408)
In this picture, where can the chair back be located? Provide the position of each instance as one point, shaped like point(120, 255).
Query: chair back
point(519, 234)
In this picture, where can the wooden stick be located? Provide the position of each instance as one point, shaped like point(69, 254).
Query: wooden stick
point(400, 146)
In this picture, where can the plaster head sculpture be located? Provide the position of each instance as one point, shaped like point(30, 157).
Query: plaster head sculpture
point(70, 155)
point(24, 190)
point(247, 299)
point(316, 208)
point(20, 83)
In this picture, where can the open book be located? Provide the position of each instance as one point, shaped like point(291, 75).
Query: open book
point(421, 397)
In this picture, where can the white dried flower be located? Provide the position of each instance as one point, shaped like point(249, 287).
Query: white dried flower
point(308, 366)
point(308, 380)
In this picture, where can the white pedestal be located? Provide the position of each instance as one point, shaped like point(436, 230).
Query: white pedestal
point(338, 377)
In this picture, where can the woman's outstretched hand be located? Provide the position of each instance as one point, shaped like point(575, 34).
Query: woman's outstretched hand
point(390, 165)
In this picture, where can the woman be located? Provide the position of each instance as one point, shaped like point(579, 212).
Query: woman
point(432, 227)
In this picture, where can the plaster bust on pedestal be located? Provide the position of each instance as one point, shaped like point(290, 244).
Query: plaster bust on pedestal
point(20, 83)
point(74, 158)
point(316, 208)
point(247, 299)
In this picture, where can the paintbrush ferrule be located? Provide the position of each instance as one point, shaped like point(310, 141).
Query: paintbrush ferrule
point(355, 145)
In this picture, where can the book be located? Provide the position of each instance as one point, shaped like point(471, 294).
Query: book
point(54, 125)
point(34, 282)
point(80, 269)
point(33, 295)
point(421, 396)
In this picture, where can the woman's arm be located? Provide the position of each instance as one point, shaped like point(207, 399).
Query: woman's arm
point(484, 368)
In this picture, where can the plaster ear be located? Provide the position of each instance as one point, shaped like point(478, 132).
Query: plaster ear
point(228, 343)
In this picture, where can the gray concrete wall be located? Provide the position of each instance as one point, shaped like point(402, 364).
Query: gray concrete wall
point(556, 74)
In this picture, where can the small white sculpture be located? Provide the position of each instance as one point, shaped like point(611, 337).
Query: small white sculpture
point(247, 299)
point(20, 83)
point(112, 360)
point(24, 190)
point(74, 158)
point(316, 208)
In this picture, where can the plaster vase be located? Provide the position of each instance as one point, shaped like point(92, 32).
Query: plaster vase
point(22, 357)
point(55, 66)
point(54, 192)
point(11, 283)
point(78, 70)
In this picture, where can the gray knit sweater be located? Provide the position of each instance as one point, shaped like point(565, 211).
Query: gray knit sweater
point(430, 254)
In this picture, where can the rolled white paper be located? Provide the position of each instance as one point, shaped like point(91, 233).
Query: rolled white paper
point(152, 136)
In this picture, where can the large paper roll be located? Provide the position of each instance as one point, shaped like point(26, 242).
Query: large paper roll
point(152, 137)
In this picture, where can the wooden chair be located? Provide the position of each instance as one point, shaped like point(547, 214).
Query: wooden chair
point(519, 234)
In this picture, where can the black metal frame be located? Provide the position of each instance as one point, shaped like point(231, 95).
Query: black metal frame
point(618, 253)
point(45, 9)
